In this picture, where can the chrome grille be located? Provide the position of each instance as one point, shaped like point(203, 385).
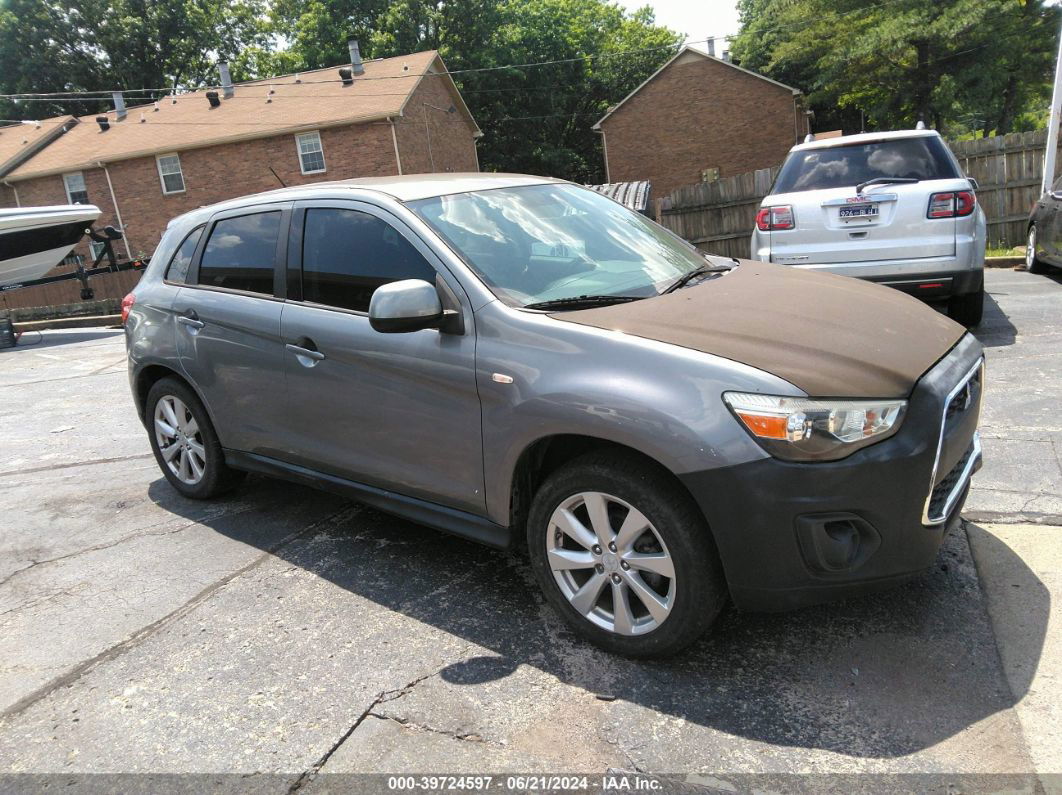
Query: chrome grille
point(942, 496)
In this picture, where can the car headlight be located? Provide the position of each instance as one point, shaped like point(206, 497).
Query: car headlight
point(806, 429)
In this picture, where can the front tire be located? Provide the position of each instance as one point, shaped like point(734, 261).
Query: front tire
point(625, 556)
point(184, 442)
point(1033, 264)
point(967, 309)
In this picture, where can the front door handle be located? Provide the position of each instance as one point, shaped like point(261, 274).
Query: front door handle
point(307, 357)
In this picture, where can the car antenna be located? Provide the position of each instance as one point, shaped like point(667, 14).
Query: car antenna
point(278, 178)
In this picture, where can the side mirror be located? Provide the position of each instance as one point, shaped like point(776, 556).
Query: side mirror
point(408, 305)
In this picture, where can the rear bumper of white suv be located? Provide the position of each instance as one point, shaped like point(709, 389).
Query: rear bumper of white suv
point(930, 278)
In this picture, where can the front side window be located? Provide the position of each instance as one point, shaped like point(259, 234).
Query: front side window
point(76, 192)
point(170, 173)
point(921, 158)
point(177, 270)
point(347, 254)
point(556, 242)
point(240, 253)
point(311, 154)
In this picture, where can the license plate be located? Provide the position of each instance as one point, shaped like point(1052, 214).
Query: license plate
point(859, 211)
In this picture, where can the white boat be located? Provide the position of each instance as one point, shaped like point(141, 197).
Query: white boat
point(33, 240)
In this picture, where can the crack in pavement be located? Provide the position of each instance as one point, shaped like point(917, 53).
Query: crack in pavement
point(77, 464)
point(146, 632)
point(384, 696)
point(469, 737)
point(145, 532)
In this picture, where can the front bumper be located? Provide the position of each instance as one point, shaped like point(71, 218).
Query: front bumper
point(791, 534)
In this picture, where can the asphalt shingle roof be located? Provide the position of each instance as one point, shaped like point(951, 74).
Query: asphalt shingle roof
point(18, 141)
point(308, 100)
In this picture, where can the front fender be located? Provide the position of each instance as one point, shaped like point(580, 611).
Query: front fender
point(660, 400)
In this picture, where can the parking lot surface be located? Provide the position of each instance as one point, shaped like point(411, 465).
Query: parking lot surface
point(285, 631)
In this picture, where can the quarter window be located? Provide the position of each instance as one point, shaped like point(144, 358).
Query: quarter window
point(347, 254)
point(177, 270)
point(76, 192)
point(240, 252)
point(170, 173)
point(311, 154)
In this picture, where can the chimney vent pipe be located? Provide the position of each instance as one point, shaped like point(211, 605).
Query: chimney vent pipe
point(346, 76)
point(226, 80)
point(356, 66)
point(104, 123)
point(119, 105)
point(711, 47)
point(212, 98)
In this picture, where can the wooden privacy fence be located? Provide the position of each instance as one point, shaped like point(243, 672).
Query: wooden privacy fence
point(106, 285)
point(1009, 170)
point(719, 216)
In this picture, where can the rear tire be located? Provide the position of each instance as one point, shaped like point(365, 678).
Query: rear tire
point(1033, 264)
point(184, 442)
point(658, 589)
point(967, 309)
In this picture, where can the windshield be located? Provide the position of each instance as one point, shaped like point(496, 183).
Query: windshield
point(552, 242)
point(846, 166)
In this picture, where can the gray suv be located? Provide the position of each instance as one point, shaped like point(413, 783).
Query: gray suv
point(507, 357)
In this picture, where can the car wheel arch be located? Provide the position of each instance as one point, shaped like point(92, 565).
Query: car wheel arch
point(548, 453)
point(150, 375)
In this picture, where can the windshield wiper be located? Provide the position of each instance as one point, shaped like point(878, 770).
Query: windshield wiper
point(886, 181)
point(584, 300)
point(703, 270)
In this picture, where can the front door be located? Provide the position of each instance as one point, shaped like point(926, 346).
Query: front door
point(397, 411)
point(228, 326)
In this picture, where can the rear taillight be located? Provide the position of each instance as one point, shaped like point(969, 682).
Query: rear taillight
point(771, 219)
point(953, 204)
point(127, 304)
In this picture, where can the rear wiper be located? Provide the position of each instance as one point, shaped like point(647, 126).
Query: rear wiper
point(885, 181)
point(584, 300)
point(703, 270)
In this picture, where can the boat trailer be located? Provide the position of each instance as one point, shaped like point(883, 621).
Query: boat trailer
point(106, 237)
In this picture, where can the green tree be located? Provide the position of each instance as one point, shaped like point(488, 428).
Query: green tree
point(960, 65)
point(100, 45)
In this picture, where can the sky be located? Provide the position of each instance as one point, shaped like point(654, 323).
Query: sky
point(698, 19)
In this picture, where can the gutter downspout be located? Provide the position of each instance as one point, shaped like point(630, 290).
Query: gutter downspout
point(15, 191)
point(394, 138)
point(117, 212)
point(604, 150)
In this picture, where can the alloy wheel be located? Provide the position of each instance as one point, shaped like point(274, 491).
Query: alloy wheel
point(179, 440)
point(1030, 250)
point(610, 563)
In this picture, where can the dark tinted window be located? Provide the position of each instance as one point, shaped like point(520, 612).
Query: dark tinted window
point(844, 166)
point(182, 258)
point(346, 255)
point(240, 252)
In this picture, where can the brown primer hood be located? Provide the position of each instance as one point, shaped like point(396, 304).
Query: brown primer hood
point(829, 335)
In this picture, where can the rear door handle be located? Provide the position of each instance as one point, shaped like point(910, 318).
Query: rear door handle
point(191, 319)
point(306, 356)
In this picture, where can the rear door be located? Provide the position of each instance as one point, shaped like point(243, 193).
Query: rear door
point(399, 411)
point(834, 223)
point(228, 325)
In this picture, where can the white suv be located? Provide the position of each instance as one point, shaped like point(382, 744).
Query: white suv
point(891, 207)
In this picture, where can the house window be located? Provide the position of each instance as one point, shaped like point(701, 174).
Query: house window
point(311, 155)
point(76, 192)
point(170, 173)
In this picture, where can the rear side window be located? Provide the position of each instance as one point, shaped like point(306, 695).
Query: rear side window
point(347, 254)
point(177, 270)
point(240, 252)
point(845, 166)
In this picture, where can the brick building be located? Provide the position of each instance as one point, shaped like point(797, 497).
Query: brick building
point(400, 115)
point(700, 117)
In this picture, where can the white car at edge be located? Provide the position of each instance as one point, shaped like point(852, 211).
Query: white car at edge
point(888, 207)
